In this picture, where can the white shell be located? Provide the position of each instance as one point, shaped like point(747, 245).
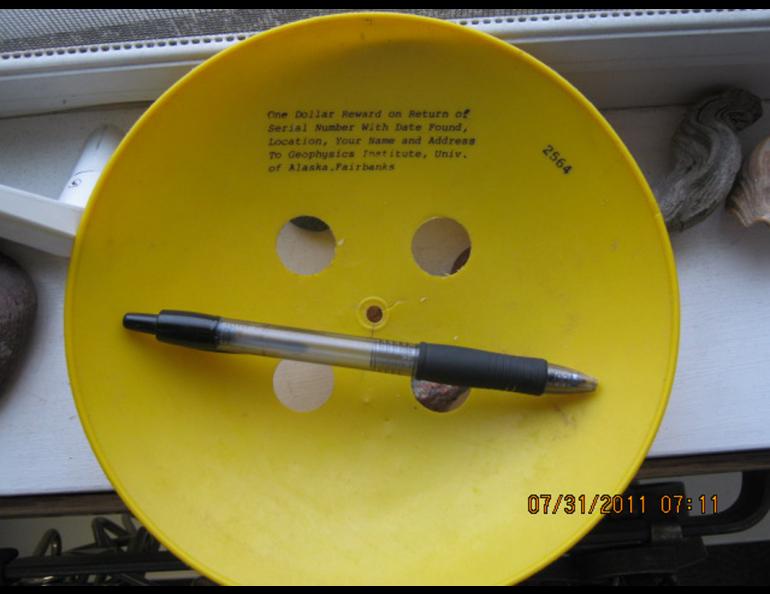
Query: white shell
point(750, 198)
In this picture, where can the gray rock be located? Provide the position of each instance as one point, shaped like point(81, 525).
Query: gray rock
point(18, 304)
point(707, 156)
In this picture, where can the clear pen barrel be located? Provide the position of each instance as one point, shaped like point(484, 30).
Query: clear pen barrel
point(317, 347)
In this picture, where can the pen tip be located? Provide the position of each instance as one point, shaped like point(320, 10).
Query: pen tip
point(564, 379)
point(141, 322)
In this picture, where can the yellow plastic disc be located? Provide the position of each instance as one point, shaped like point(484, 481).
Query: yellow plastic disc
point(375, 124)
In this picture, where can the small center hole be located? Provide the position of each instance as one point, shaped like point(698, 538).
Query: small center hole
point(374, 314)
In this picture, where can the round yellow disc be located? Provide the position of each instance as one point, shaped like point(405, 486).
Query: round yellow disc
point(375, 124)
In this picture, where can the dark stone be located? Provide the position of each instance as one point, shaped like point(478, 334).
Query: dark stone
point(18, 304)
point(310, 223)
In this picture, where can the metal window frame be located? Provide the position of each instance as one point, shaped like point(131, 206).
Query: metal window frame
point(618, 59)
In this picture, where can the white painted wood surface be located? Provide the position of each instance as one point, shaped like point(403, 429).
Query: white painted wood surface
point(42, 445)
point(721, 396)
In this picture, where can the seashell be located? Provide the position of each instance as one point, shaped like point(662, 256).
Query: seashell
point(707, 156)
point(750, 198)
point(18, 304)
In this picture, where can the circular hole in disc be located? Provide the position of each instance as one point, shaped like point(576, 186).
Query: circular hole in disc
point(441, 246)
point(306, 245)
point(303, 387)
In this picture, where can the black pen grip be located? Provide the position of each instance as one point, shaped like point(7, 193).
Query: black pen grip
point(459, 366)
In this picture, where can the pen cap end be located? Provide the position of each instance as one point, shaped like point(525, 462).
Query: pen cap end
point(141, 322)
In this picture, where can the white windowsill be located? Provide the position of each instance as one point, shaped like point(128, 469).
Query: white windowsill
point(639, 70)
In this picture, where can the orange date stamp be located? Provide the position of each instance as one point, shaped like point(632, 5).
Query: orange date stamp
point(605, 504)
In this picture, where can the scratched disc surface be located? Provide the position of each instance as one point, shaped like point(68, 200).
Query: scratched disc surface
point(376, 125)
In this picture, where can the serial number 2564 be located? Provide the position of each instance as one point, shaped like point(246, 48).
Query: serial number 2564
point(557, 159)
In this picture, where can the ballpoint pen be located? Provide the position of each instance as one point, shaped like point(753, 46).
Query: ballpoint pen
point(442, 364)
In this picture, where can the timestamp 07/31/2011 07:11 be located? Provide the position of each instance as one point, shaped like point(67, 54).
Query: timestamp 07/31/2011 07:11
point(606, 504)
